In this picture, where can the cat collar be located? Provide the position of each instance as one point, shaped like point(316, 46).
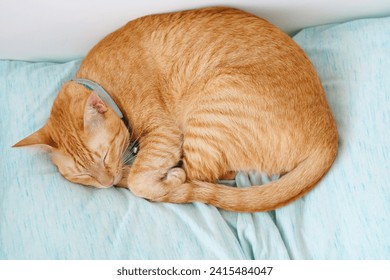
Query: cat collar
point(101, 92)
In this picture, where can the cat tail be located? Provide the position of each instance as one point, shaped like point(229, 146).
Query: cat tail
point(270, 196)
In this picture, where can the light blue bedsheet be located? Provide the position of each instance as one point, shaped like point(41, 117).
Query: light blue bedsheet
point(347, 216)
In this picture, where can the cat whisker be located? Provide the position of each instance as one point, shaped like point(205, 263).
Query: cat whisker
point(125, 149)
point(128, 154)
point(128, 161)
point(139, 135)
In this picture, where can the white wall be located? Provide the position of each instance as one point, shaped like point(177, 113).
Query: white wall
point(60, 30)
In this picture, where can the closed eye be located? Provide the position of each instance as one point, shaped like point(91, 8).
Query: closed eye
point(83, 175)
point(105, 158)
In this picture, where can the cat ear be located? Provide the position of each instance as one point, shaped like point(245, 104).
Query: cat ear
point(96, 103)
point(39, 139)
point(94, 109)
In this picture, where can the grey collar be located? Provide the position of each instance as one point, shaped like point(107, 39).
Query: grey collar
point(101, 92)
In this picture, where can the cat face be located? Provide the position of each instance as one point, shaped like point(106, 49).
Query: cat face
point(85, 138)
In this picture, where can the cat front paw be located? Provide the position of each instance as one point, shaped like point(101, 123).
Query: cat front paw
point(175, 177)
point(151, 186)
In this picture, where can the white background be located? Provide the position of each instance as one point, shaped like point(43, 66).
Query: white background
point(60, 30)
point(105, 270)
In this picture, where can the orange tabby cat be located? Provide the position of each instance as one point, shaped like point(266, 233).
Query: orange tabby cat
point(205, 92)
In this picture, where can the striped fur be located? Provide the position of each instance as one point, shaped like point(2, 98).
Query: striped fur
point(205, 92)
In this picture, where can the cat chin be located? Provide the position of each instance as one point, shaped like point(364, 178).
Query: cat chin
point(116, 180)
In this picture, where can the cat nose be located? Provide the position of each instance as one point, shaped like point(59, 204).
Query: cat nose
point(111, 183)
point(108, 182)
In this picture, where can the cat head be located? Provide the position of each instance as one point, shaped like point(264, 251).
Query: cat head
point(84, 136)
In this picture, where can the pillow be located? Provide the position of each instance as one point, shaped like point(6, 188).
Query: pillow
point(347, 215)
point(43, 216)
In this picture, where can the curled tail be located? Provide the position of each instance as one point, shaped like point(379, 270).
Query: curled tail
point(266, 197)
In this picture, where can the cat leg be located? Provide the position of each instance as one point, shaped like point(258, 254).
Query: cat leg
point(203, 160)
point(154, 171)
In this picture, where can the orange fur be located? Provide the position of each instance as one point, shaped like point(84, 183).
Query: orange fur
point(217, 89)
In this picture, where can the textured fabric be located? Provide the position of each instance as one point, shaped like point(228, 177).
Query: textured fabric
point(43, 216)
point(348, 215)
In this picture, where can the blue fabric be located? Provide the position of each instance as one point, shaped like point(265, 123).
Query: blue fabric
point(43, 216)
point(348, 215)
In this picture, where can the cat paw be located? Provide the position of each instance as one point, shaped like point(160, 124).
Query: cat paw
point(149, 185)
point(175, 177)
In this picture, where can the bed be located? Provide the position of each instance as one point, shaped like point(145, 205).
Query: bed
point(347, 216)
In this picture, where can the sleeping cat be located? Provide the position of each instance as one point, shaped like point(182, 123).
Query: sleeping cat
point(204, 92)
